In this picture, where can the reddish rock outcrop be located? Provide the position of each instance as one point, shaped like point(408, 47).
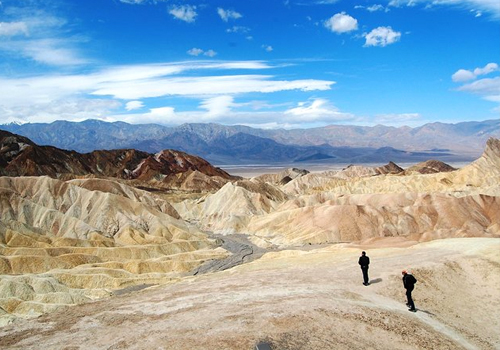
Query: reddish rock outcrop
point(19, 156)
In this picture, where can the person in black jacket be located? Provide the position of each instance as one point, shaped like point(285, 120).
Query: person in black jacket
point(409, 283)
point(364, 261)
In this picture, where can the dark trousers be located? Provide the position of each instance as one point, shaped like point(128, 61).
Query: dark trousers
point(365, 274)
point(409, 299)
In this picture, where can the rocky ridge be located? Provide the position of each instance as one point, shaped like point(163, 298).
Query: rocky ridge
point(21, 157)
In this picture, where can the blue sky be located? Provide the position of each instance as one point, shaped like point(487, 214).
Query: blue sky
point(270, 64)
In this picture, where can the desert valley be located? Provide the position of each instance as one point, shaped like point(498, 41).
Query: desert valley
point(126, 249)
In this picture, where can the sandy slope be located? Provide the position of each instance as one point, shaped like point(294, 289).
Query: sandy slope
point(298, 300)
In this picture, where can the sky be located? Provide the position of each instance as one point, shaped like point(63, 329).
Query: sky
point(266, 64)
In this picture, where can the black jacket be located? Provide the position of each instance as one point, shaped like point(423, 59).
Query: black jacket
point(409, 281)
point(364, 261)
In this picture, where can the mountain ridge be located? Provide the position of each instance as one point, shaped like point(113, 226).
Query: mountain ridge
point(238, 144)
point(19, 156)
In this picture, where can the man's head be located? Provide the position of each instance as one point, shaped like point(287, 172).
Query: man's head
point(363, 253)
point(404, 272)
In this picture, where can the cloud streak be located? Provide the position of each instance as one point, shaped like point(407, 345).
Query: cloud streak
point(34, 97)
point(489, 6)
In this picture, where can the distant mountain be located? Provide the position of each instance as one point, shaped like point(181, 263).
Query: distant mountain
point(19, 156)
point(238, 144)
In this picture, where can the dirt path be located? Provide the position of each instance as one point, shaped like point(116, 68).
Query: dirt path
point(243, 251)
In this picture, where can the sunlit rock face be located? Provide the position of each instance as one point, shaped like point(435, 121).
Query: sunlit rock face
point(64, 243)
point(431, 201)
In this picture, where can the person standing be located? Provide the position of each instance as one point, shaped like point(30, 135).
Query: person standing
point(409, 283)
point(364, 262)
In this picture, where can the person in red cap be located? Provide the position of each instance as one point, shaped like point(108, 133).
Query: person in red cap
point(409, 283)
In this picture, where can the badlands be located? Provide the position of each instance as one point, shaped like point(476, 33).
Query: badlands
point(211, 262)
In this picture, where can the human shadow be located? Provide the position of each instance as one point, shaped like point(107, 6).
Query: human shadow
point(376, 280)
point(426, 312)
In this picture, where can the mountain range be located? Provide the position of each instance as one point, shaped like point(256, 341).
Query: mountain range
point(222, 145)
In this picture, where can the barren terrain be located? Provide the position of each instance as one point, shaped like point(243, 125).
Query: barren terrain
point(107, 263)
point(297, 300)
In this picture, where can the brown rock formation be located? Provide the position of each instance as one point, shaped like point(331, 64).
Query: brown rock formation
point(430, 167)
point(389, 168)
point(21, 157)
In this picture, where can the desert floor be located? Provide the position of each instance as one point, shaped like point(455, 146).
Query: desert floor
point(298, 299)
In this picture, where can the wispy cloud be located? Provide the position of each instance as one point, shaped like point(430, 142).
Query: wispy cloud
point(381, 36)
point(372, 8)
point(186, 13)
point(399, 119)
point(341, 23)
point(477, 6)
point(133, 2)
point(133, 105)
point(13, 28)
point(217, 106)
point(465, 75)
point(487, 88)
point(37, 35)
point(226, 15)
point(238, 29)
point(316, 110)
point(39, 98)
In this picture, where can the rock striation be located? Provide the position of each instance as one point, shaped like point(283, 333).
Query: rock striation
point(356, 204)
point(66, 242)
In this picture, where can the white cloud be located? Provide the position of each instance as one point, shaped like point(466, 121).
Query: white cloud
point(341, 23)
point(382, 36)
point(268, 48)
point(489, 68)
point(39, 36)
point(375, 7)
point(238, 29)
point(13, 28)
point(206, 85)
point(210, 53)
point(133, 2)
point(398, 119)
point(38, 98)
point(74, 109)
point(195, 51)
point(316, 110)
point(133, 105)
point(52, 52)
point(226, 15)
point(487, 88)
point(160, 115)
point(186, 13)
point(372, 8)
point(464, 75)
point(217, 106)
